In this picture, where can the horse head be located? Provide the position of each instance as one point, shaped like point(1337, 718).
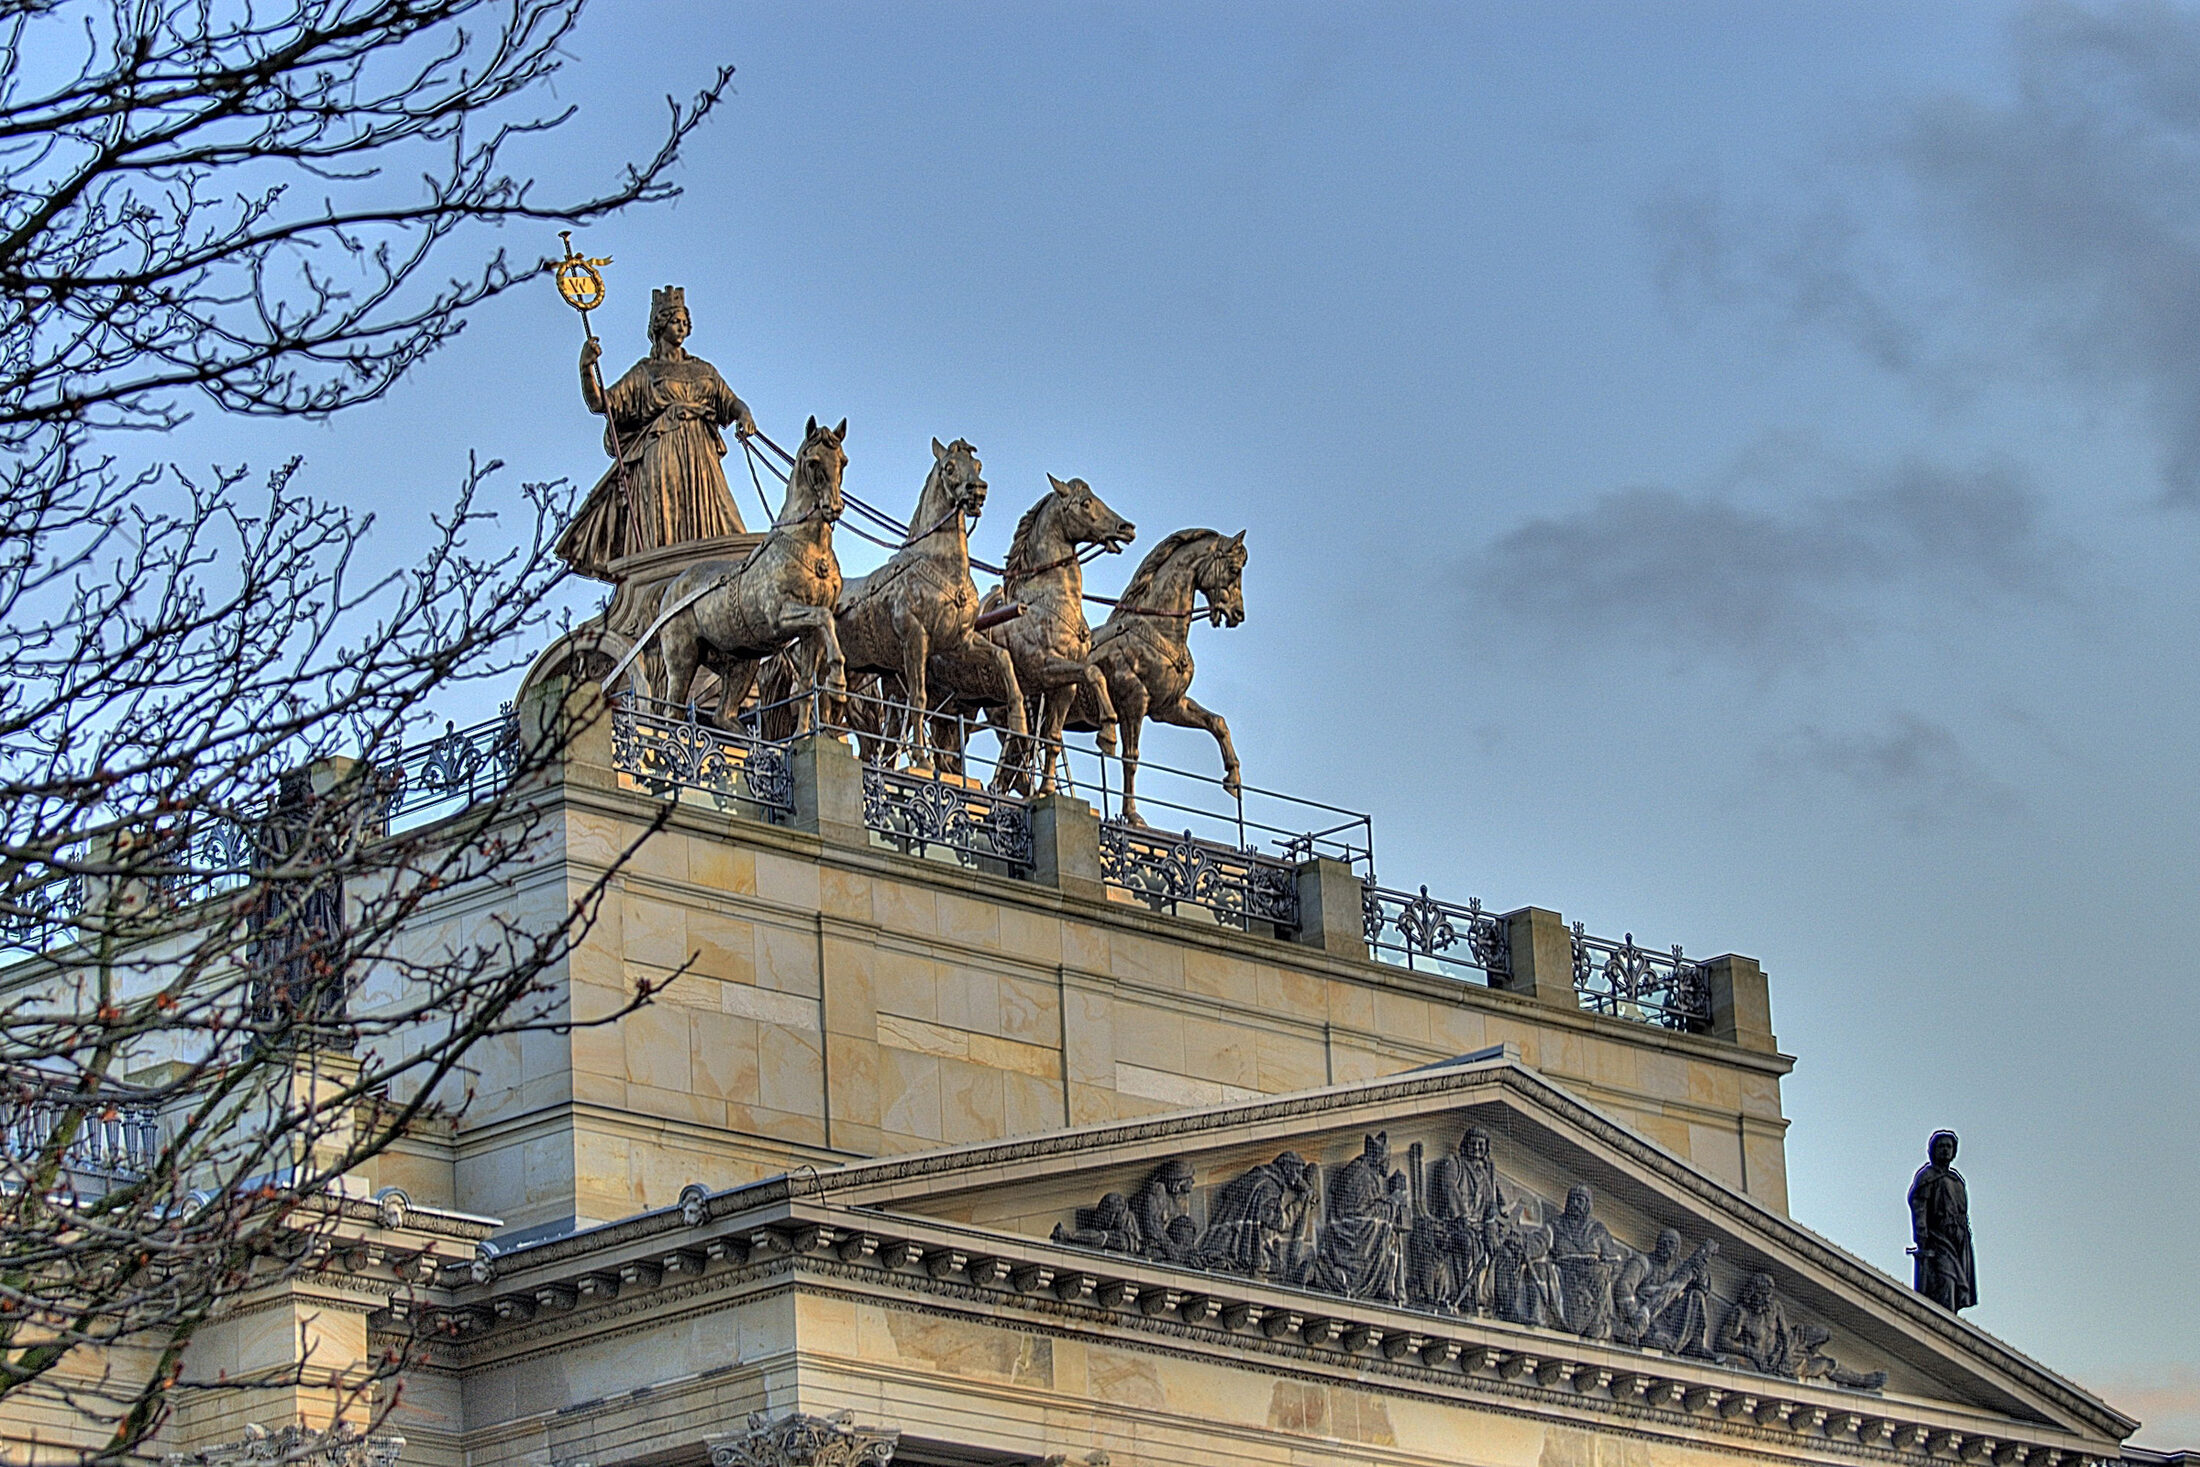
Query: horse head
point(818, 465)
point(961, 477)
point(1084, 519)
point(1221, 579)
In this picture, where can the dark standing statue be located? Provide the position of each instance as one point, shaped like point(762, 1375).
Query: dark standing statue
point(1940, 1221)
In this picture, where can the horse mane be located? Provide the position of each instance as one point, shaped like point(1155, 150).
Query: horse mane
point(807, 470)
point(1149, 569)
point(1019, 545)
point(934, 479)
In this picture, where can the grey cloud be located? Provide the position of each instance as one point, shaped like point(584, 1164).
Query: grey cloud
point(1915, 769)
point(2057, 228)
point(1707, 575)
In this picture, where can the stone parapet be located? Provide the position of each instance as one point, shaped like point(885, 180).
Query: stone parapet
point(1330, 908)
point(1542, 957)
point(1741, 1003)
point(1065, 846)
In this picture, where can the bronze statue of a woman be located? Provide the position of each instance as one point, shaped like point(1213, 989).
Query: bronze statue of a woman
point(664, 415)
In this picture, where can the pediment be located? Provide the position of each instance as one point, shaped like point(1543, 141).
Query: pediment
point(1520, 1267)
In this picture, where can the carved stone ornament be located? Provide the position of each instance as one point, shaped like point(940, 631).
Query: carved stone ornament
point(342, 1445)
point(799, 1439)
point(1452, 1239)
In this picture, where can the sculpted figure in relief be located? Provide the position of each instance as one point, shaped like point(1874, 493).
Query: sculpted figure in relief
point(1940, 1222)
point(1162, 1209)
point(1109, 1226)
point(1664, 1299)
point(1362, 1252)
point(1759, 1334)
point(1587, 1262)
point(1451, 1250)
point(664, 414)
point(1523, 1286)
point(1260, 1223)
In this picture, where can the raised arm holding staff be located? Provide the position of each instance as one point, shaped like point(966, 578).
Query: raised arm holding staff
point(665, 485)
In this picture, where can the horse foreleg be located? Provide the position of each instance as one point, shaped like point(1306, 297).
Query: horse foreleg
point(1187, 714)
point(813, 625)
point(683, 657)
point(1131, 714)
point(916, 646)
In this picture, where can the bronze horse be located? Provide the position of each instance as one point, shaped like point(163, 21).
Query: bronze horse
point(783, 592)
point(922, 602)
point(1050, 645)
point(1144, 648)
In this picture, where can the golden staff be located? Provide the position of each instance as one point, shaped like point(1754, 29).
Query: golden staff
point(580, 281)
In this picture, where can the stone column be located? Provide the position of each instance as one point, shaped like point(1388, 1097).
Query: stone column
point(1542, 957)
point(1330, 908)
point(1741, 1003)
point(1065, 846)
point(828, 789)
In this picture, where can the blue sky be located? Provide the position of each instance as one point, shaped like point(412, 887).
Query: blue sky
point(1730, 473)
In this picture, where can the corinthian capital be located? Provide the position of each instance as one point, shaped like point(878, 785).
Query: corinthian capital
point(799, 1439)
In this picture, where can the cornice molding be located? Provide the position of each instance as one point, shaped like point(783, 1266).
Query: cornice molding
point(814, 1245)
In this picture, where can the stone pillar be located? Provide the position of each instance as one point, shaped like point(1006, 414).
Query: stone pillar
point(1542, 957)
point(572, 721)
point(1065, 846)
point(1330, 908)
point(1741, 1003)
point(828, 789)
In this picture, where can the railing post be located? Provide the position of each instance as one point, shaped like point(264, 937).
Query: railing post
point(1065, 846)
point(1331, 908)
point(1542, 949)
point(1741, 1003)
point(828, 789)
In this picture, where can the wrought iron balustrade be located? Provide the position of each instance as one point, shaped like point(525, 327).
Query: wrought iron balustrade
point(182, 867)
point(116, 1138)
point(667, 749)
point(1435, 936)
point(1171, 871)
point(919, 812)
point(1630, 982)
point(461, 767)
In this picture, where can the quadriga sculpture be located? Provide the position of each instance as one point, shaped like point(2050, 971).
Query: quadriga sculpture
point(922, 601)
point(1144, 648)
point(1051, 643)
point(783, 592)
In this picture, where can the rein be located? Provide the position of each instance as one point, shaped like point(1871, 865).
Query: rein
point(888, 523)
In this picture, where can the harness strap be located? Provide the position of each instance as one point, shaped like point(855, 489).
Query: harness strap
point(643, 641)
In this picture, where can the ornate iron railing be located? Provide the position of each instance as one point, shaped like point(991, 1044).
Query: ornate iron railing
point(215, 857)
point(666, 750)
point(460, 767)
point(1437, 936)
point(42, 916)
point(1171, 871)
point(1630, 982)
point(116, 1139)
point(921, 812)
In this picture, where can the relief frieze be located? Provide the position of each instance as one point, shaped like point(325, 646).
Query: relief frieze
point(1454, 1239)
